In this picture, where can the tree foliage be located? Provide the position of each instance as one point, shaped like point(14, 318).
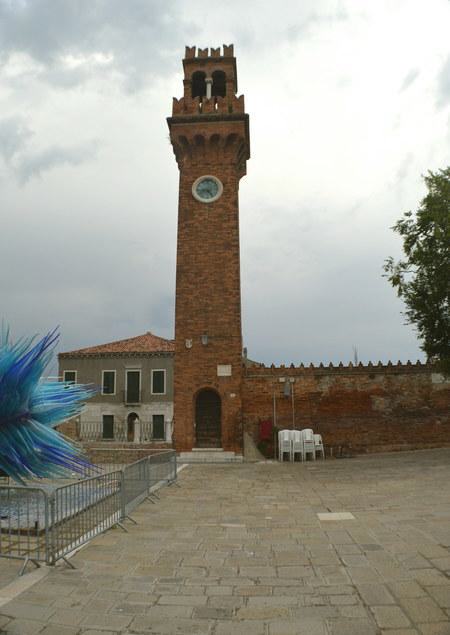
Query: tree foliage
point(422, 276)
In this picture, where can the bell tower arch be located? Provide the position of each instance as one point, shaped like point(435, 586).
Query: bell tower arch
point(209, 132)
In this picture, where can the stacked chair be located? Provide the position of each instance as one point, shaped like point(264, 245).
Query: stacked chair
point(300, 442)
point(318, 445)
point(297, 443)
point(284, 444)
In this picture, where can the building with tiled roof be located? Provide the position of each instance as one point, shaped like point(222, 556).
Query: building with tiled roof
point(146, 343)
point(134, 377)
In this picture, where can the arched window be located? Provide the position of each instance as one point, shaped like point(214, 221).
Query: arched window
point(219, 87)
point(198, 84)
point(133, 428)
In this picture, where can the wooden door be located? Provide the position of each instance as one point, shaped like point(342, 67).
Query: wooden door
point(208, 429)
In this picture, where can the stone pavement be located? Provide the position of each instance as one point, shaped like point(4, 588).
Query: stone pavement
point(239, 549)
point(8, 571)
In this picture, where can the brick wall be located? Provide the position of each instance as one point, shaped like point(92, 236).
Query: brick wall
point(121, 452)
point(372, 408)
point(207, 302)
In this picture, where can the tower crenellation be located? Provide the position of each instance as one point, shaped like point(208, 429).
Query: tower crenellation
point(209, 74)
point(191, 52)
point(216, 105)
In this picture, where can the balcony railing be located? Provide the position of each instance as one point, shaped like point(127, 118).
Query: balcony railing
point(132, 397)
point(141, 432)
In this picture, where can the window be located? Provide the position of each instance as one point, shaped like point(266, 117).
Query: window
point(133, 391)
point(219, 87)
point(108, 427)
point(71, 376)
point(198, 84)
point(158, 382)
point(109, 382)
point(158, 428)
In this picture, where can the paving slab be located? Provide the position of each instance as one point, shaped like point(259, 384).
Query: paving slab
point(423, 610)
point(297, 627)
point(357, 626)
point(57, 629)
point(375, 594)
point(390, 616)
point(438, 628)
point(9, 570)
point(242, 549)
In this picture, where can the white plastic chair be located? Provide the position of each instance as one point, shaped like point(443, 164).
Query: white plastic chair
point(318, 445)
point(297, 444)
point(284, 444)
point(308, 443)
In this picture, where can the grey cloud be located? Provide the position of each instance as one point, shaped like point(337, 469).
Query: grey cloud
point(14, 135)
point(35, 165)
point(409, 79)
point(139, 34)
point(66, 78)
point(161, 311)
point(302, 28)
point(404, 168)
point(82, 273)
point(443, 97)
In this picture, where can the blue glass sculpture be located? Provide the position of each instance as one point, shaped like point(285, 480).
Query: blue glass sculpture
point(31, 407)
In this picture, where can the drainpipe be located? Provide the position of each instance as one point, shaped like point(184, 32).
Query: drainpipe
point(293, 407)
point(275, 425)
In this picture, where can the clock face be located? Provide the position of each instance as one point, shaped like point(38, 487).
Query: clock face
point(207, 189)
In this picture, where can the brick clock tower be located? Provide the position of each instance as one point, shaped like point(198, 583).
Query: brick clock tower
point(209, 131)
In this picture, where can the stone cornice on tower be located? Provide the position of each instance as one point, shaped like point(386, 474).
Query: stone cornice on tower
point(191, 144)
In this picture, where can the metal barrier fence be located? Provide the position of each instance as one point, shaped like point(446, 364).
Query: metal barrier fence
point(136, 485)
point(162, 471)
point(82, 510)
point(40, 524)
point(24, 523)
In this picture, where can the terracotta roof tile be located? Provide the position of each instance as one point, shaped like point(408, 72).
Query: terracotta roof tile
point(147, 343)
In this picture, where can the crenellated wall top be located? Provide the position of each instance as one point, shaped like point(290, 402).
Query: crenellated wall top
point(261, 370)
point(202, 106)
point(192, 52)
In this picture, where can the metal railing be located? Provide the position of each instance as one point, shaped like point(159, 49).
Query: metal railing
point(24, 523)
point(162, 472)
point(93, 431)
point(82, 510)
point(41, 524)
point(132, 397)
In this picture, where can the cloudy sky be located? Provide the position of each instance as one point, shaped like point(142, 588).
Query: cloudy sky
point(349, 105)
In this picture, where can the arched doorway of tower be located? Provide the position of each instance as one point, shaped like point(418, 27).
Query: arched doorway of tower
point(133, 428)
point(208, 413)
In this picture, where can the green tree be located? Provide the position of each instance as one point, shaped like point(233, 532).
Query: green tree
point(422, 277)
